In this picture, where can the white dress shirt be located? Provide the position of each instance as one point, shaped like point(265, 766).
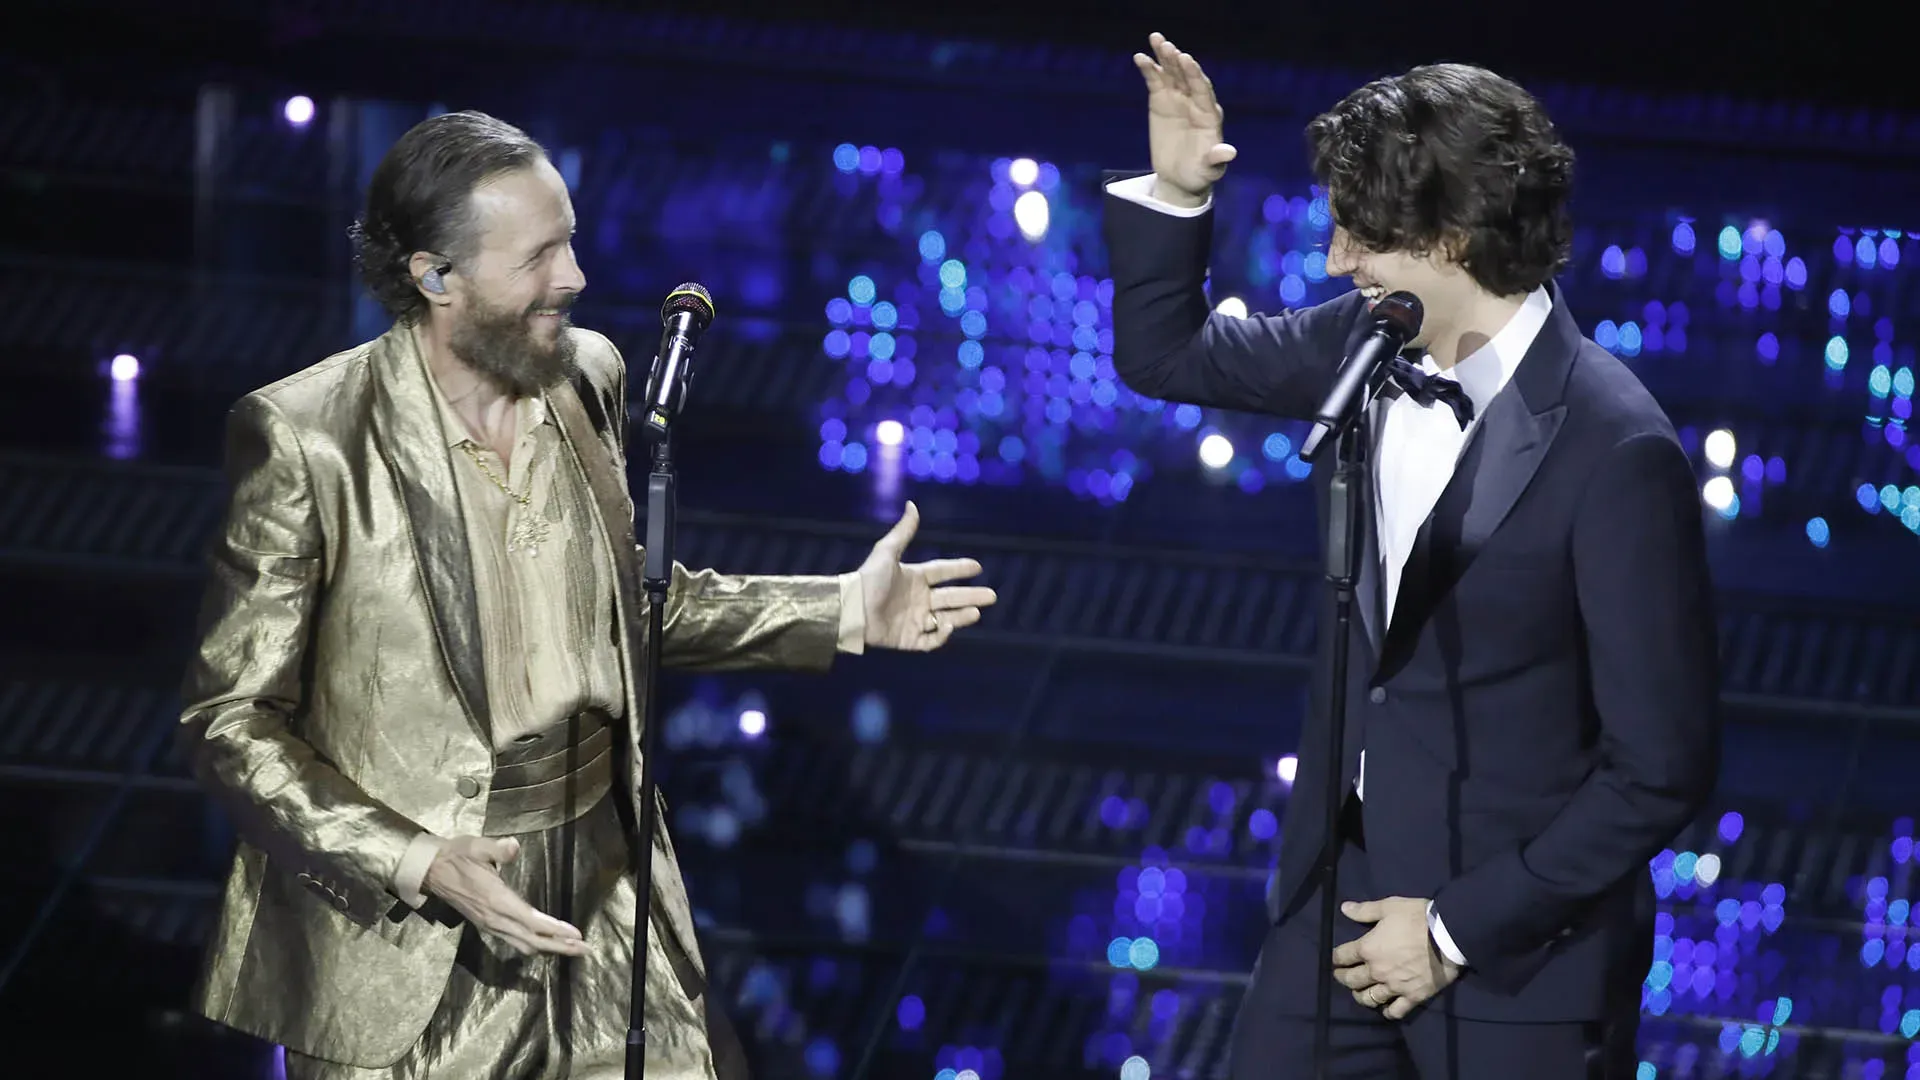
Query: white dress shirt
point(1416, 449)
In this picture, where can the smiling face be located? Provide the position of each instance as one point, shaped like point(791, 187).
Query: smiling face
point(1444, 288)
point(509, 296)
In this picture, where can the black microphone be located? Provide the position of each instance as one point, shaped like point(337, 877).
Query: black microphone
point(687, 312)
point(1396, 321)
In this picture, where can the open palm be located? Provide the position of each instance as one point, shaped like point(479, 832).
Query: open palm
point(911, 606)
point(1184, 122)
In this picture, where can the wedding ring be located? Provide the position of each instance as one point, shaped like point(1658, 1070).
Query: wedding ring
point(933, 624)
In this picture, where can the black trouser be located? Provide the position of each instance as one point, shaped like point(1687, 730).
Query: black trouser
point(1273, 1035)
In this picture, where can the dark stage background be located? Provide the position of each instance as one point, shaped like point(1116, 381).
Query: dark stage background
point(1041, 853)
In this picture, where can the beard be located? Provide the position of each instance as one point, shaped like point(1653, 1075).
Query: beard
point(502, 346)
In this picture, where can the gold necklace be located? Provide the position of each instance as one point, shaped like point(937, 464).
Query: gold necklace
point(530, 531)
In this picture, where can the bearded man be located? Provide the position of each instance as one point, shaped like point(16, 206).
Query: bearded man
point(415, 690)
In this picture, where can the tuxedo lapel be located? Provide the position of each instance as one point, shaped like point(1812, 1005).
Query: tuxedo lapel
point(1503, 459)
point(1495, 468)
point(1367, 589)
point(406, 426)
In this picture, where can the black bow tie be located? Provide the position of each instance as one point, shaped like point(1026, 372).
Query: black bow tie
point(1404, 377)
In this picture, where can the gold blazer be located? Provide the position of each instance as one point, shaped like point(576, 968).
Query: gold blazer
point(337, 704)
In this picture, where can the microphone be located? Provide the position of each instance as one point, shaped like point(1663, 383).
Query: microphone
point(687, 312)
point(1396, 321)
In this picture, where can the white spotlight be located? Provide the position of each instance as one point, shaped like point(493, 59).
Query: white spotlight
point(753, 723)
point(889, 432)
point(1718, 493)
point(1707, 870)
point(1233, 306)
point(1030, 212)
point(125, 368)
point(1023, 172)
point(1720, 449)
point(299, 109)
point(1286, 769)
point(1216, 452)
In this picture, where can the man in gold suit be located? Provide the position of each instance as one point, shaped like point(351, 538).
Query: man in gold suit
point(415, 689)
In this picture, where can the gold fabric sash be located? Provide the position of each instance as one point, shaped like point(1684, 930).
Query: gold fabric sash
point(552, 776)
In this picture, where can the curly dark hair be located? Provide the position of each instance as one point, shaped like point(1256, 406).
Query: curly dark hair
point(1452, 158)
point(421, 199)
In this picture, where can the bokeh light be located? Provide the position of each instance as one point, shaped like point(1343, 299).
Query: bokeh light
point(1720, 449)
point(1216, 452)
point(1718, 493)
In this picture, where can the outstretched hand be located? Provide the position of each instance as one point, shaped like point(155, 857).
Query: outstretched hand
point(911, 606)
point(1184, 124)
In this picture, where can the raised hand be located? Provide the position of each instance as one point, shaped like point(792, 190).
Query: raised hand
point(1184, 124)
point(465, 873)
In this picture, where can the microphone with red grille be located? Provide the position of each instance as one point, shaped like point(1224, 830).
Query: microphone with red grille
point(1396, 321)
point(687, 312)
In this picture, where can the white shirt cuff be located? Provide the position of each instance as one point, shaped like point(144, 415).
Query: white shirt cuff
point(1441, 938)
point(853, 613)
point(1139, 189)
point(409, 881)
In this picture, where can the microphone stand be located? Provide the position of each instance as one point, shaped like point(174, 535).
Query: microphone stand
point(1349, 496)
point(656, 577)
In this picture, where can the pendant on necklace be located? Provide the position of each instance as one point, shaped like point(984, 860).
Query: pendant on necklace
point(529, 532)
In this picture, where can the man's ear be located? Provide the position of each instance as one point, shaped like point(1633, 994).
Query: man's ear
point(430, 272)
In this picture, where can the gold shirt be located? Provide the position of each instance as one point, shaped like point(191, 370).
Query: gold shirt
point(546, 612)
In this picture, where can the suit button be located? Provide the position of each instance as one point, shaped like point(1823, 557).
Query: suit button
point(303, 878)
point(467, 786)
point(1378, 696)
point(340, 902)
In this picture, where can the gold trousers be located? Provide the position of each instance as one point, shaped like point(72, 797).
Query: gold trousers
point(548, 1017)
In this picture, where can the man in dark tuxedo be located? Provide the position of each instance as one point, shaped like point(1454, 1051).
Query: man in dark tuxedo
point(1532, 696)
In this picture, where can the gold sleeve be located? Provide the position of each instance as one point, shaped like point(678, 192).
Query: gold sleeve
point(725, 622)
point(243, 688)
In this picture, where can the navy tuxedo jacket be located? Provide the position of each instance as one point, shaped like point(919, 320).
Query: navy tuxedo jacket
point(1540, 719)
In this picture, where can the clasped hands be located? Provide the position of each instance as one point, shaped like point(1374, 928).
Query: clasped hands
point(1394, 967)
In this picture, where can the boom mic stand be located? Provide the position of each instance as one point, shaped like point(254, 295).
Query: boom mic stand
point(1395, 321)
point(666, 392)
point(1349, 496)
